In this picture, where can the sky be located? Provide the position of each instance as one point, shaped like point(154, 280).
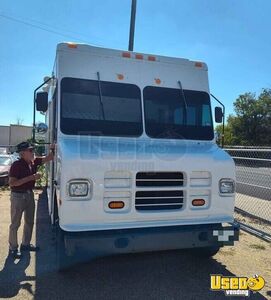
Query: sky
point(231, 36)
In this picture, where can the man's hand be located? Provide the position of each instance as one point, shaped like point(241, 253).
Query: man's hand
point(50, 156)
point(37, 176)
point(52, 147)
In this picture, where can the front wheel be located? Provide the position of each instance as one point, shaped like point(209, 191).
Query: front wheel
point(204, 252)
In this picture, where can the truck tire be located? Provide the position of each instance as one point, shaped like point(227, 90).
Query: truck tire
point(62, 260)
point(204, 252)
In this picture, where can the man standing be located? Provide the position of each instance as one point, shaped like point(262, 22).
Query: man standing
point(22, 177)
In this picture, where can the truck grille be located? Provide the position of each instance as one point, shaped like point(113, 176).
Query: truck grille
point(159, 179)
point(158, 200)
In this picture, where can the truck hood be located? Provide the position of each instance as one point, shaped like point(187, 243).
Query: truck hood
point(152, 150)
point(106, 162)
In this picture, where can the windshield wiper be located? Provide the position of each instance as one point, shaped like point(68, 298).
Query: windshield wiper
point(100, 95)
point(184, 101)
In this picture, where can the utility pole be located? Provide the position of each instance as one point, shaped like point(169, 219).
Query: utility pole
point(132, 26)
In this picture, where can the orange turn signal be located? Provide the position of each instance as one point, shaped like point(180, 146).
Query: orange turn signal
point(198, 202)
point(116, 204)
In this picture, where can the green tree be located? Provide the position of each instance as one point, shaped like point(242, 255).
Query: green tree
point(251, 124)
point(228, 136)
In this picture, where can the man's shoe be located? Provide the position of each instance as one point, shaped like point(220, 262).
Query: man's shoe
point(29, 247)
point(15, 254)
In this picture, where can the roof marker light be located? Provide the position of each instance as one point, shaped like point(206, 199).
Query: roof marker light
point(198, 64)
point(120, 76)
point(126, 54)
point(72, 45)
point(139, 56)
point(151, 58)
point(157, 80)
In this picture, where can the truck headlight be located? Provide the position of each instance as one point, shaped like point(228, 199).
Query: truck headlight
point(226, 186)
point(78, 188)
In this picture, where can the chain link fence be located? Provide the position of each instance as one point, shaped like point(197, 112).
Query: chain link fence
point(253, 186)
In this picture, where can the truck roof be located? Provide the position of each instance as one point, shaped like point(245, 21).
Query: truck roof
point(84, 61)
point(67, 46)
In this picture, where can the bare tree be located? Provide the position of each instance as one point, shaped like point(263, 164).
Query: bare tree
point(19, 121)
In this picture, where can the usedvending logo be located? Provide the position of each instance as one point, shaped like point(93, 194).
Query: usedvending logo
point(236, 286)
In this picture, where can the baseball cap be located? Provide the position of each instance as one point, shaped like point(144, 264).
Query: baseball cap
point(24, 146)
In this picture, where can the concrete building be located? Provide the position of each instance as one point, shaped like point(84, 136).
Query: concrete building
point(14, 134)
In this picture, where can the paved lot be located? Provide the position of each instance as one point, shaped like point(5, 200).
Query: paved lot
point(254, 182)
point(167, 275)
point(254, 175)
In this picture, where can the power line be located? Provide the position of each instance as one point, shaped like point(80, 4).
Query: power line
point(48, 25)
point(42, 28)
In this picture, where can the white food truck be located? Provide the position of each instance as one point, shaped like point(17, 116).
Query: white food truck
point(137, 167)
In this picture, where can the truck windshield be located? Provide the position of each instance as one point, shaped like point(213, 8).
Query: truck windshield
point(82, 114)
point(165, 114)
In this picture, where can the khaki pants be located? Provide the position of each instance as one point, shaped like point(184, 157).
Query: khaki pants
point(21, 203)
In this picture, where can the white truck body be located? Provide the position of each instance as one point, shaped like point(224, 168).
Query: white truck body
point(110, 164)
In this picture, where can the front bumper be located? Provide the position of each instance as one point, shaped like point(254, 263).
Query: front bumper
point(108, 242)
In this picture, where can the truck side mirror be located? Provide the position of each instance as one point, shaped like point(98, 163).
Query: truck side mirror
point(41, 128)
point(42, 101)
point(218, 114)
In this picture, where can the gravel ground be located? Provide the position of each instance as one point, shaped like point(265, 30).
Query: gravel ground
point(163, 275)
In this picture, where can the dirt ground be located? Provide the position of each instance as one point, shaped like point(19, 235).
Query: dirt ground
point(160, 275)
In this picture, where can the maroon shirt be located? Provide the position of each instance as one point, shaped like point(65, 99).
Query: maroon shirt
point(20, 169)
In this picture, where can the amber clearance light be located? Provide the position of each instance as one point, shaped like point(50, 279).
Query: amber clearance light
point(151, 58)
point(116, 204)
point(139, 56)
point(126, 54)
point(72, 45)
point(198, 64)
point(198, 202)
